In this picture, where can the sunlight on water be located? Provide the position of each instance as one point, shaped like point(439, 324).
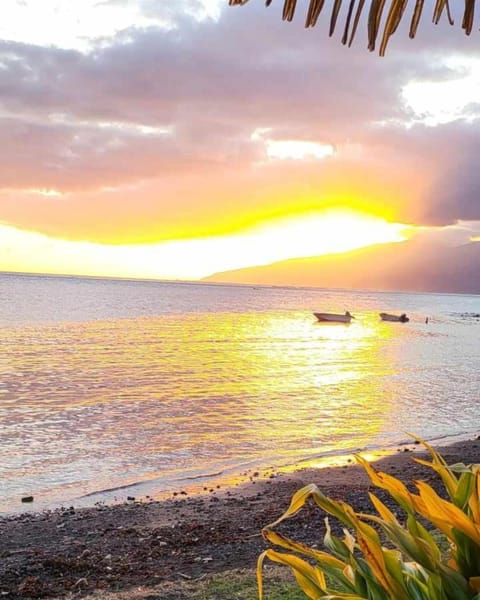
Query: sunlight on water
point(95, 404)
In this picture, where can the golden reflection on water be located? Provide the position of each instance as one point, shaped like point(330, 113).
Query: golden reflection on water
point(329, 383)
point(92, 405)
point(337, 460)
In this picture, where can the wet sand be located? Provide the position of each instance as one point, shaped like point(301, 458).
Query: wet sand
point(94, 552)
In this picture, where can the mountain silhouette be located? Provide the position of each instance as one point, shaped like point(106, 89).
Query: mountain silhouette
point(413, 265)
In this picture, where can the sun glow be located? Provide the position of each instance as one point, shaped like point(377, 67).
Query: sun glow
point(309, 235)
point(325, 233)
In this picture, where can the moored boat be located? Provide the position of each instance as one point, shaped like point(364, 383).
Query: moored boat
point(334, 318)
point(396, 318)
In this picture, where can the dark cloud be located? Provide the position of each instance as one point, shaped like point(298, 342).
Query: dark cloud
point(455, 192)
point(445, 159)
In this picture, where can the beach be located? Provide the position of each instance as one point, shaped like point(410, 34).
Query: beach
point(162, 426)
point(164, 549)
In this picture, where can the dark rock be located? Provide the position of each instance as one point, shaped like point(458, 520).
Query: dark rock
point(27, 499)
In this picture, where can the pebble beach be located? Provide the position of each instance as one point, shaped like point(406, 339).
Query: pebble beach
point(151, 549)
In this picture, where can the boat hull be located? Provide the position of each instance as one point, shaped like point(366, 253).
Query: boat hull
point(333, 318)
point(394, 318)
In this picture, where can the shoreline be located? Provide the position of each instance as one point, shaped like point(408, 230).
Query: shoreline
point(160, 544)
point(230, 478)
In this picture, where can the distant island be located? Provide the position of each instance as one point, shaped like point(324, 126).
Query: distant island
point(403, 266)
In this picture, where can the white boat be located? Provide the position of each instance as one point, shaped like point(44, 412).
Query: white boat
point(396, 318)
point(334, 318)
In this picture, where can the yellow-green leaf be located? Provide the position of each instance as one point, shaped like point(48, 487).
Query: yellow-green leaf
point(310, 579)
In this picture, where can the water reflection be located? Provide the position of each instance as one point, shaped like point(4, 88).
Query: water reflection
point(94, 405)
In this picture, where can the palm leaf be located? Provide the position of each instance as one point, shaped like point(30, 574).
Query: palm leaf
point(394, 16)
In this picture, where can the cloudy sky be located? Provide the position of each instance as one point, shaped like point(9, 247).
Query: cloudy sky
point(145, 141)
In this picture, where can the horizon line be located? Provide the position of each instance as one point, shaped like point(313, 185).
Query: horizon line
point(226, 284)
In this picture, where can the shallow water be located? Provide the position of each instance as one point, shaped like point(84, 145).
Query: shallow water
point(107, 383)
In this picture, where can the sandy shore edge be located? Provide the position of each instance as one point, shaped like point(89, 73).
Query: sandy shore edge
point(159, 544)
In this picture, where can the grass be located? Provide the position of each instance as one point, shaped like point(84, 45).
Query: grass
point(242, 585)
point(231, 585)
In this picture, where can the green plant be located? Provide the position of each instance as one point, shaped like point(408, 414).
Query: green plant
point(361, 566)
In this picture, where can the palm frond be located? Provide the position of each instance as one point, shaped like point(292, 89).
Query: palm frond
point(393, 17)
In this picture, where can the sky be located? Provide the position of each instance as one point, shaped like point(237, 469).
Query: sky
point(141, 140)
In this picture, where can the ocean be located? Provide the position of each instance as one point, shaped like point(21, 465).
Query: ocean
point(143, 387)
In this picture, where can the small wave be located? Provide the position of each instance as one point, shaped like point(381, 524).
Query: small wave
point(467, 315)
point(202, 476)
point(112, 489)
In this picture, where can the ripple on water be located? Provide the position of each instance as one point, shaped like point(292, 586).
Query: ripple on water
point(97, 404)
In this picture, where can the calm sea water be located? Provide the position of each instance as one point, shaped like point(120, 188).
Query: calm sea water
point(109, 383)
